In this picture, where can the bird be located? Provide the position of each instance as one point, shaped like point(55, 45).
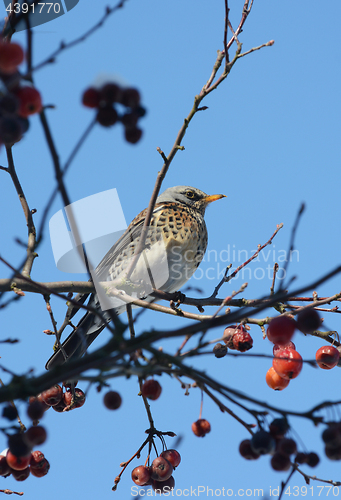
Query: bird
point(174, 247)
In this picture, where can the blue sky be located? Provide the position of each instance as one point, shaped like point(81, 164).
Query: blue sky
point(269, 141)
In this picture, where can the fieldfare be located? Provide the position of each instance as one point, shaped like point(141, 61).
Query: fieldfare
point(175, 245)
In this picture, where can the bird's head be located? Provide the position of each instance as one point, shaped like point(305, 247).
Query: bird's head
point(189, 196)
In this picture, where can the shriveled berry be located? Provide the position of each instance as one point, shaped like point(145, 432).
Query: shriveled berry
point(53, 395)
point(112, 400)
point(37, 459)
point(201, 427)
point(42, 470)
point(21, 475)
point(220, 350)
point(79, 398)
point(242, 340)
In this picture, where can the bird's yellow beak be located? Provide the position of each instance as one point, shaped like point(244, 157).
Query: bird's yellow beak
point(213, 197)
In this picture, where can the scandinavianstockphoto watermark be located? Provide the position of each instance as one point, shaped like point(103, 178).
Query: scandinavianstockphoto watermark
point(217, 261)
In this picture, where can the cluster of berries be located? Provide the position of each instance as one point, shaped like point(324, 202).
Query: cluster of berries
point(159, 474)
point(19, 459)
point(105, 100)
point(17, 102)
point(235, 337)
point(21, 466)
point(287, 363)
point(57, 399)
point(274, 442)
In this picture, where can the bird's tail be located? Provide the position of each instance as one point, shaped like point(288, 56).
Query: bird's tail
point(88, 328)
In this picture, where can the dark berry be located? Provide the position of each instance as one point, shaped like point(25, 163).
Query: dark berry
point(132, 135)
point(107, 116)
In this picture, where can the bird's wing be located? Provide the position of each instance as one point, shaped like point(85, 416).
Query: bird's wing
point(132, 233)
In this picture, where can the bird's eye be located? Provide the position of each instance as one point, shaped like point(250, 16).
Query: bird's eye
point(190, 195)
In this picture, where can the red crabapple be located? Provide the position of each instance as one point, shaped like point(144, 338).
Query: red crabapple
point(289, 345)
point(172, 456)
point(141, 475)
point(287, 446)
point(161, 469)
point(91, 98)
point(287, 363)
point(29, 101)
point(112, 400)
point(280, 462)
point(280, 330)
point(327, 357)
point(18, 463)
point(11, 55)
point(151, 389)
point(246, 451)
point(274, 380)
point(35, 436)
